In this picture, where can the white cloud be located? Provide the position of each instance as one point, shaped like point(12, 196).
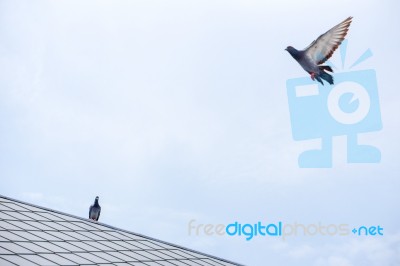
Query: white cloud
point(373, 251)
point(334, 261)
point(32, 196)
point(302, 251)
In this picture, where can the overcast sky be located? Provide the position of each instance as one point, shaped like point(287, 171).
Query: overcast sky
point(177, 110)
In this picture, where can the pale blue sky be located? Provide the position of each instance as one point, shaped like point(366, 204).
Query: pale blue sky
point(172, 111)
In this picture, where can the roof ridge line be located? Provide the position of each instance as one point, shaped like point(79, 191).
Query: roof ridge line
point(119, 229)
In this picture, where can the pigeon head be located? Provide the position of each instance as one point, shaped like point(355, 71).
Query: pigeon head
point(292, 51)
point(97, 198)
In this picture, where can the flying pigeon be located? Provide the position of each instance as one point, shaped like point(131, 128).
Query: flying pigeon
point(321, 50)
point(94, 210)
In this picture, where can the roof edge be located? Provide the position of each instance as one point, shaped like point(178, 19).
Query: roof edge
point(119, 229)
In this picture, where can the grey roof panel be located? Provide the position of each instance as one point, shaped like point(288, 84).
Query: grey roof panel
point(17, 260)
point(38, 260)
point(77, 259)
point(4, 262)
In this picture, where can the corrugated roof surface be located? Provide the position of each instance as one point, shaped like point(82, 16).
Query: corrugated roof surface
point(32, 235)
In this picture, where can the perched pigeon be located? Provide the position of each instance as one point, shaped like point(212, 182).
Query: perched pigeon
point(321, 50)
point(94, 210)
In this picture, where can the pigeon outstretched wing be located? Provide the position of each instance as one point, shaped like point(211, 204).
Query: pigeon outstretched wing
point(322, 48)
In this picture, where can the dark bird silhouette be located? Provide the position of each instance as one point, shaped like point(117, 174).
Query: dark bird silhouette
point(321, 50)
point(94, 210)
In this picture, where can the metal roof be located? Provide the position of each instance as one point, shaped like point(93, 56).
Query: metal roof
point(33, 235)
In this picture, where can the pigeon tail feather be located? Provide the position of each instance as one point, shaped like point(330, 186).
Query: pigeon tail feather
point(325, 75)
point(327, 68)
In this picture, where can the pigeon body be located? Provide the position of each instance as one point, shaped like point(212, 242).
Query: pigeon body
point(94, 210)
point(321, 50)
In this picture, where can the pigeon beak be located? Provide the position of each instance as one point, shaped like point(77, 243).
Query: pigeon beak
point(285, 49)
